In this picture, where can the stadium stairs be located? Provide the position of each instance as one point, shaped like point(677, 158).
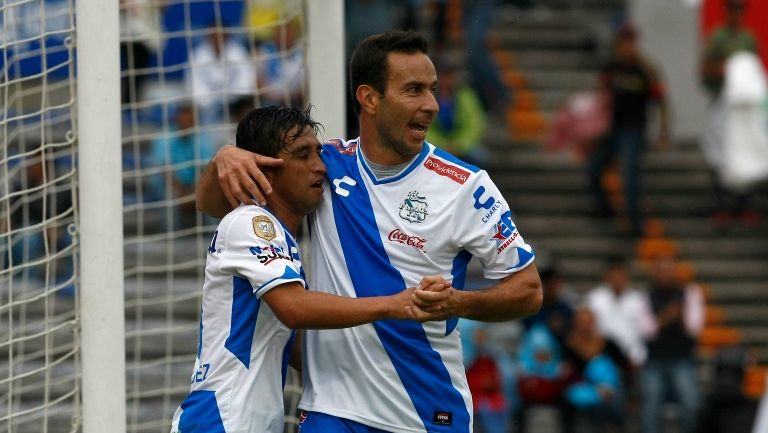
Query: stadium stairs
point(547, 53)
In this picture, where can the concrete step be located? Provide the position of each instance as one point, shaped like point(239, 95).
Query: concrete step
point(746, 315)
point(566, 80)
point(538, 59)
point(155, 337)
point(708, 270)
point(738, 293)
point(575, 181)
point(574, 244)
point(534, 38)
point(509, 156)
point(564, 203)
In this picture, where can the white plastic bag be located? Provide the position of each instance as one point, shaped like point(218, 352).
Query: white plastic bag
point(745, 136)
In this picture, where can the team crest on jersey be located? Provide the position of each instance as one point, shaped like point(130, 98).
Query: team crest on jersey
point(414, 208)
point(264, 228)
point(504, 232)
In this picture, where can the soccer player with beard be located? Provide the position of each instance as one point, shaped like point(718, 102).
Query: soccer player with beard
point(395, 207)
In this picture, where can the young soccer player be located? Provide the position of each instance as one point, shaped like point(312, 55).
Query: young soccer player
point(255, 293)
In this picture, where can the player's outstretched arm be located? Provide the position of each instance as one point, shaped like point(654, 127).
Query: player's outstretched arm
point(298, 308)
point(518, 295)
point(233, 177)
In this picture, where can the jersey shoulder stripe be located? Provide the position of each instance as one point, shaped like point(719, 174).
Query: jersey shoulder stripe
point(456, 161)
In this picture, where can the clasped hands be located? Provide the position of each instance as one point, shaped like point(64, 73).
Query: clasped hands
point(433, 299)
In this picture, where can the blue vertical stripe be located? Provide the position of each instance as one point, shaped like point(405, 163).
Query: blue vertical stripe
point(287, 352)
point(419, 366)
point(459, 273)
point(245, 310)
point(200, 413)
point(200, 335)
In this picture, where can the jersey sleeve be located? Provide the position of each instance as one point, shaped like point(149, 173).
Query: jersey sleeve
point(256, 248)
point(484, 228)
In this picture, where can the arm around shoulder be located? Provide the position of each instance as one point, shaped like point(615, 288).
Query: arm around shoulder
point(233, 177)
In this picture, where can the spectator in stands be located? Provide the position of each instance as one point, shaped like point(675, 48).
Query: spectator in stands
point(725, 40)
point(139, 45)
point(182, 153)
point(673, 320)
point(595, 384)
point(484, 377)
point(38, 224)
point(484, 73)
point(618, 310)
point(727, 409)
point(460, 123)
point(633, 86)
point(555, 312)
point(542, 377)
point(220, 71)
point(281, 71)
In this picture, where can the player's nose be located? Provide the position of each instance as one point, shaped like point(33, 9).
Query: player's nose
point(318, 166)
point(430, 104)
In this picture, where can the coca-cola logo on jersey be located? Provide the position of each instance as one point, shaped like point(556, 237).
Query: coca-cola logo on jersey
point(404, 238)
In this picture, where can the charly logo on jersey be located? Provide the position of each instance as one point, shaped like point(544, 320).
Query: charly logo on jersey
point(270, 253)
point(504, 232)
point(264, 227)
point(414, 208)
point(490, 204)
point(399, 236)
point(340, 185)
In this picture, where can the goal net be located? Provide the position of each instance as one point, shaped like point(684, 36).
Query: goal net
point(38, 315)
point(189, 70)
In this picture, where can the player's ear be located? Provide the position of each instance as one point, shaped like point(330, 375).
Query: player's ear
point(368, 98)
point(270, 174)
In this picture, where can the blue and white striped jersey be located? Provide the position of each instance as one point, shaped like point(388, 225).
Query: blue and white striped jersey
point(239, 374)
point(376, 237)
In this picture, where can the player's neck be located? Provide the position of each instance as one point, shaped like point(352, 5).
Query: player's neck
point(290, 218)
point(374, 151)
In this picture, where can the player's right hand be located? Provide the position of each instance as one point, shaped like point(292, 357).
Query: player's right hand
point(240, 178)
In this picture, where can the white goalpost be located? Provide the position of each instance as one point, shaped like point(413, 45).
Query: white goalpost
point(102, 326)
point(105, 126)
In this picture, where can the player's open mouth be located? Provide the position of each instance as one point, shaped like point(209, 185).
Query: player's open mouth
point(418, 127)
point(318, 184)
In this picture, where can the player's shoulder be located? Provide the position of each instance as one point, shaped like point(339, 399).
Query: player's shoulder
point(443, 164)
point(340, 146)
point(252, 219)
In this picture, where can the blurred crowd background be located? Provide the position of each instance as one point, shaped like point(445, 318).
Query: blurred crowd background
point(630, 139)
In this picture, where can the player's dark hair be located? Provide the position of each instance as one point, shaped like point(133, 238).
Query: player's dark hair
point(369, 59)
point(267, 130)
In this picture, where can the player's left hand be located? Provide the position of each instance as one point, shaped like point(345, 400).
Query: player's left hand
point(437, 286)
point(440, 305)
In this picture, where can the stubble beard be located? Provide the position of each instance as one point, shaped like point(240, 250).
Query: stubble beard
point(398, 146)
